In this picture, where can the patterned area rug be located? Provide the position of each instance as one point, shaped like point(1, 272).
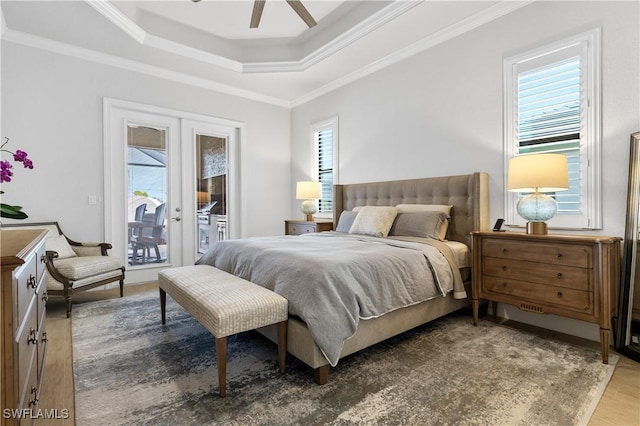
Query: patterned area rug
point(129, 369)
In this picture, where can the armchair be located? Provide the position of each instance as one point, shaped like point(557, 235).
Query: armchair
point(73, 266)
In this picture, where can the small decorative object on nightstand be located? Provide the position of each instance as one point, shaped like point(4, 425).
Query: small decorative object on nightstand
point(308, 191)
point(299, 227)
point(568, 275)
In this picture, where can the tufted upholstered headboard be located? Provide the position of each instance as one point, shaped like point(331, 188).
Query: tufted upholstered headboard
point(468, 194)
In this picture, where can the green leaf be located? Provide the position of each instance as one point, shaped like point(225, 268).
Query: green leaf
point(12, 212)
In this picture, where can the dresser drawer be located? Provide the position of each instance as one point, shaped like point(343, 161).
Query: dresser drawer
point(27, 281)
point(301, 228)
point(41, 263)
point(29, 400)
point(557, 275)
point(548, 253)
point(27, 347)
point(539, 294)
point(41, 300)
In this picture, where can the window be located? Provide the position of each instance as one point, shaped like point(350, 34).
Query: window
point(552, 105)
point(325, 150)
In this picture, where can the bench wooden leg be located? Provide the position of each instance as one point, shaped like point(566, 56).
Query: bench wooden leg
point(163, 305)
point(221, 354)
point(282, 345)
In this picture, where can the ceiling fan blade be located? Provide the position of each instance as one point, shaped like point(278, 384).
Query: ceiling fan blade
point(258, 7)
point(302, 12)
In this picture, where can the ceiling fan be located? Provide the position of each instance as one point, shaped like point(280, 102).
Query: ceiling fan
point(296, 5)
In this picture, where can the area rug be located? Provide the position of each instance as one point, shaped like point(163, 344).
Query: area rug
point(131, 370)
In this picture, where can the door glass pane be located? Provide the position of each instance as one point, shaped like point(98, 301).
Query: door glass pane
point(147, 195)
point(211, 187)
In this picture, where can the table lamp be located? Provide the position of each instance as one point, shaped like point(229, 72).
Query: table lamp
point(537, 173)
point(308, 191)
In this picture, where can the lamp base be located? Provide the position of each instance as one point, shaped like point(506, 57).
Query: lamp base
point(537, 228)
point(308, 207)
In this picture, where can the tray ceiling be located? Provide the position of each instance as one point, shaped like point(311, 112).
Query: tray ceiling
point(209, 43)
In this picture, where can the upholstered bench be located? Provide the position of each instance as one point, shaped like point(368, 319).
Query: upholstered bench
point(224, 304)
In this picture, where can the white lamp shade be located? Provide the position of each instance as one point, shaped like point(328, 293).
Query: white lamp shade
point(541, 172)
point(308, 190)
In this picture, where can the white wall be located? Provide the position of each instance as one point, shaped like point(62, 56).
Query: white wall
point(440, 112)
point(52, 108)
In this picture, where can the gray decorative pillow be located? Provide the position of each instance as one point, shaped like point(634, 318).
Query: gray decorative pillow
point(374, 220)
point(59, 244)
point(346, 220)
point(423, 224)
point(410, 208)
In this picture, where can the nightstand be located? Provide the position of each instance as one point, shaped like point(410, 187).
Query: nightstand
point(299, 227)
point(571, 276)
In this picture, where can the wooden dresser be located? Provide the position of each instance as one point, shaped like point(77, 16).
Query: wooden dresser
point(22, 311)
point(299, 227)
point(571, 276)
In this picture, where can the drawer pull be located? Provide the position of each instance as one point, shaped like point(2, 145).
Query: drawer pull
point(559, 255)
point(34, 400)
point(559, 274)
point(45, 297)
point(44, 337)
point(43, 259)
point(32, 282)
point(504, 250)
point(504, 268)
point(504, 284)
point(32, 337)
point(559, 294)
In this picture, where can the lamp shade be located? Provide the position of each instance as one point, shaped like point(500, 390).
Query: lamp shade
point(308, 190)
point(538, 172)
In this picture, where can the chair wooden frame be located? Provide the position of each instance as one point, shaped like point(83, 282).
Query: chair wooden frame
point(98, 249)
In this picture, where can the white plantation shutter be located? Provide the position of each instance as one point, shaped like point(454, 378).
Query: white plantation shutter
point(325, 138)
point(550, 112)
point(324, 142)
point(551, 106)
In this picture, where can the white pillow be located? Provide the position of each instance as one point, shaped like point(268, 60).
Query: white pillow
point(374, 220)
point(444, 208)
point(59, 244)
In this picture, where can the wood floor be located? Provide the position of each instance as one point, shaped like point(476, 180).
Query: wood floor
point(619, 406)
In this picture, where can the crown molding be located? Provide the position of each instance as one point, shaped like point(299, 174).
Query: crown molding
point(122, 21)
point(470, 23)
point(192, 53)
point(375, 21)
point(135, 66)
point(354, 34)
point(461, 27)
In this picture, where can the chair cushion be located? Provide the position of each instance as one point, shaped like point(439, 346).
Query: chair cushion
point(59, 244)
point(76, 268)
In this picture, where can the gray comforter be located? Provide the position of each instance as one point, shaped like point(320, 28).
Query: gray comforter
point(332, 280)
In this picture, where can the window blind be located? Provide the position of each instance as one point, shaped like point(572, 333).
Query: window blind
point(549, 120)
point(324, 144)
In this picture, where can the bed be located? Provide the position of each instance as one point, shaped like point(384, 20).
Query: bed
point(320, 336)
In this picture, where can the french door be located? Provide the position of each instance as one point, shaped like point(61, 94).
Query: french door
point(162, 168)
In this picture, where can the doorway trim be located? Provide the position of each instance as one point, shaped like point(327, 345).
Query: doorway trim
point(110, 105)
